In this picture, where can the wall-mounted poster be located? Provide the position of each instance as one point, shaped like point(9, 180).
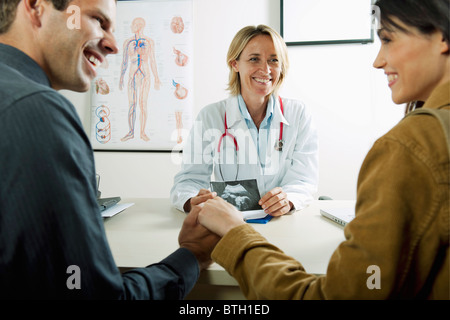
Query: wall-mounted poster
point(142, 97)
point(312, 22)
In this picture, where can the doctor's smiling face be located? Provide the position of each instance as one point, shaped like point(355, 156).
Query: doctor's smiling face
point(413, 62)
point(258, 66)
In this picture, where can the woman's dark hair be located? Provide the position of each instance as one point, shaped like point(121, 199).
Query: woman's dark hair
point(427, 16)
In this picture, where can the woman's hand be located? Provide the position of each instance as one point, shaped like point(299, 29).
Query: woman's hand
point(275, 202)
point(219, 216)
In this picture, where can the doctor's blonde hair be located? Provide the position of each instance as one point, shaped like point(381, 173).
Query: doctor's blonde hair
point(240, 41)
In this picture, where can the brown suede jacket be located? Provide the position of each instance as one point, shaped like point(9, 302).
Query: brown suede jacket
point(401, 227)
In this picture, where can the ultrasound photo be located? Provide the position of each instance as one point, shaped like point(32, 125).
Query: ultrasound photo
point(243, 194)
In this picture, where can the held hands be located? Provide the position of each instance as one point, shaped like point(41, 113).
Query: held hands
point(197, 238)
point(275, 202)
point(211, 217)
point(219, 216)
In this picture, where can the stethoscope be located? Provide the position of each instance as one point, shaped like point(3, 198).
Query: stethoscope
point(278, 144)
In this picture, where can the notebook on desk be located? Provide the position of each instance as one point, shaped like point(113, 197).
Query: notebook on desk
point(341, 216)
point(105, 203)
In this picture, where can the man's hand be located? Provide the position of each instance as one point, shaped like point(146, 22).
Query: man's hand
point(197, 239)
point(202, 196)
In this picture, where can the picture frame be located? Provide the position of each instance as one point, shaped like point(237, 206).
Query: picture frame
point(142, 100)
point(319, 22)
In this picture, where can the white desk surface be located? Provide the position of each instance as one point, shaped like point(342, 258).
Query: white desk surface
point(147, 232)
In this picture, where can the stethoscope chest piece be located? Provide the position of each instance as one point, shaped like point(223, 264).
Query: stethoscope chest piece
point(279, 145)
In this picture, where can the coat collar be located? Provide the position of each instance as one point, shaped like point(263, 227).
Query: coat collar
point(22, 63)
point(440, 97)
point(232, 111)
point(279, 116)
point(234, 114)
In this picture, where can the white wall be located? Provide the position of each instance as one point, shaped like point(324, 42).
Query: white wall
point(349, 99)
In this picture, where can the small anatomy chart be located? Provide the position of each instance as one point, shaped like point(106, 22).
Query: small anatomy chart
point(142, 97)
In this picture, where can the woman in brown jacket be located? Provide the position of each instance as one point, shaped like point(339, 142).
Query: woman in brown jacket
point(402, 209)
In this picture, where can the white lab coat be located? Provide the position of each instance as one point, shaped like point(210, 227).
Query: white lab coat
point(295, 168)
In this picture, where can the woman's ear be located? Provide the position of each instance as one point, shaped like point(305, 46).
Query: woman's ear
point(445, 48)
point(234, 65)
point(444, 44)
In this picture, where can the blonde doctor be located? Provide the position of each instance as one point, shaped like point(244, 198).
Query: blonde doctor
point(253, 134)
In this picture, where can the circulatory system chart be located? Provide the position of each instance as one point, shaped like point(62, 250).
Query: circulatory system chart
point(142, 97)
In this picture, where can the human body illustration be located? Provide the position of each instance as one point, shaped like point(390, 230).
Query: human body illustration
point(181, 59)
point(180, 93)
point(101, 86)
point(177, 25)
point(139, 52)
point(103, 126)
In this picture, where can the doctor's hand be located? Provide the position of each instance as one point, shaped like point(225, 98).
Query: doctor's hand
point(219, 216)
point(197, 239)
point(275, 202)
point(202, 196)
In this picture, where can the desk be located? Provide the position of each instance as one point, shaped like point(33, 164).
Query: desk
point(148, 231)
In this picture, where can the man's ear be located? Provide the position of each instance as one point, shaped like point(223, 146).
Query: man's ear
point(34, 9)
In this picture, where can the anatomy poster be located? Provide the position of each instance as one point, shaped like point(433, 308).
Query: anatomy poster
point(142, 97)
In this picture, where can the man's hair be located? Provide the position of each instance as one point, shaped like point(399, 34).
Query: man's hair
point(8, 10)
